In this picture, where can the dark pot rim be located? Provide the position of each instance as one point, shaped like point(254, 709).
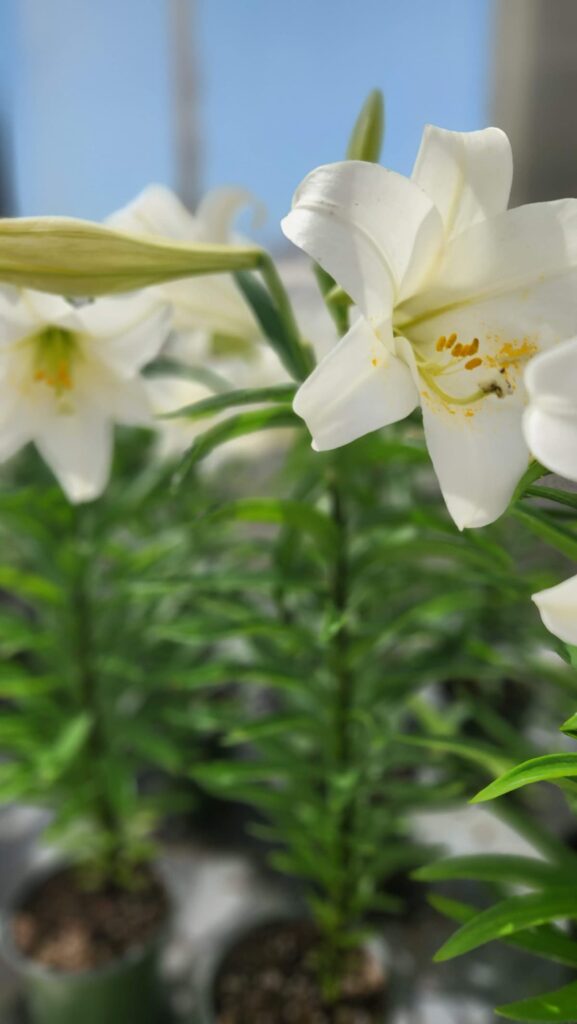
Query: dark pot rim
point(23, 964)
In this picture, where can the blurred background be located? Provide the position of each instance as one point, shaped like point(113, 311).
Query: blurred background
point(98, 99)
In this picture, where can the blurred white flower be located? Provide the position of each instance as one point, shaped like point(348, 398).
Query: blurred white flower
point(456, 293)
point(67, 374)
point(211, 317)
point(558, 609)
point(550, 421)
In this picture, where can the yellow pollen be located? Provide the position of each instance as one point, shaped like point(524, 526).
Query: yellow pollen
point(374, 362)
point(473, 363)
point(441, 343)
point(451, 340)
point(458, 350)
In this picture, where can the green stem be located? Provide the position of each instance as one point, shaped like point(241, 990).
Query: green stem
point(333, 951)
point(89, 697)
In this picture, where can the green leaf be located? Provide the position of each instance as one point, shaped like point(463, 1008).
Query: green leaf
point(543, 527)
point(559, 1006)
point(236, 426)
point(282, 336)
point(546, 941)
point(479, 753)
point(366, 139)
point(285, 512)
point(54, 761)
point(76, 257)
point(269, 725)
point(539, 769)
point(532, 473)
point(567, 498)
point(249, 396)
point(570, 726)
point(495, 867)
point(510, 916)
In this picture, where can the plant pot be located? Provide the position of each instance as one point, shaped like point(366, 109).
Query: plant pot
point(125, 991)
point(375, 950)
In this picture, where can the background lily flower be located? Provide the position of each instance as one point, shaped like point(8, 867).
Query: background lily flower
point(209, 312)
point(67, 374)
point(558, 609)
point(455, 294)
point(550, 420)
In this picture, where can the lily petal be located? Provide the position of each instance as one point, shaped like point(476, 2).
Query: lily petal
point(359, 387)
point(373, 230)
point(558, 609)
point(78, 449)
point(478, 459)
point(126, 334)
point(156, 210)
point(217, 211)
point(468, 175)
point(523, 262)
point(550, 422)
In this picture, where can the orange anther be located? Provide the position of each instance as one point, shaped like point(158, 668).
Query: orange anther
point(451, 340)
point(473, 363)
point(458, 350)
point(441, 343)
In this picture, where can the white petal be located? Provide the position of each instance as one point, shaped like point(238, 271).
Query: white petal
point(550, 422)
point(213, 303)
point(125, 334)
point(478, 458)
point(468, 175)
point(156, 211)
point(78, 449)
point(218, 209)
point(375, 231)
point(558, 609)
point(360, 386)
point(47, 309)
point(522, 262)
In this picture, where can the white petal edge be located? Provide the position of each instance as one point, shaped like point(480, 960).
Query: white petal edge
point(78, 450)
point(478, 460)
point(550, 421)
point(468, 175)
point(376, 232)
point(359, 387)
point(558, 609)
point(156, 210)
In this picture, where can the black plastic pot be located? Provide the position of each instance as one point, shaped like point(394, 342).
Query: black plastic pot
point(207, 983)
point(127, 991)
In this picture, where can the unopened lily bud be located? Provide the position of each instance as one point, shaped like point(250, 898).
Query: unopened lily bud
point(367, 136)
point(79, 258)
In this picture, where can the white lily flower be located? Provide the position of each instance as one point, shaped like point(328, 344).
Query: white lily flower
point(550, 421)
point(558, 609)
point(455, 292)
point(209, 312)
point(67, 374)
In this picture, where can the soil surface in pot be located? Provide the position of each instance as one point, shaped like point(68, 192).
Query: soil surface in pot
point(269, 978)
point(66, 926)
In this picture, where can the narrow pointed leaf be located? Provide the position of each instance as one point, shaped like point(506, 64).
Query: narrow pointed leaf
point(495, 868)
point(539, 769)
point(559, 1006)
point(510, 916)
point(284, 393)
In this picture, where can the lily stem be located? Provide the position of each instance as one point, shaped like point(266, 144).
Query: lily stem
point(82, 613)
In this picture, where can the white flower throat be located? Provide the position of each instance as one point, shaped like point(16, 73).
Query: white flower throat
point(493, 367)
point(55, 352)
